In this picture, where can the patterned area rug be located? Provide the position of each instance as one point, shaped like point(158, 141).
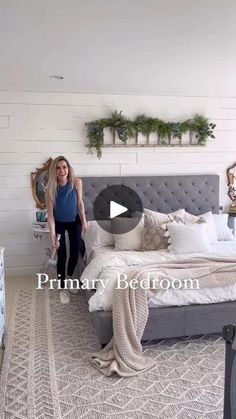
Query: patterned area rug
point(47, 372)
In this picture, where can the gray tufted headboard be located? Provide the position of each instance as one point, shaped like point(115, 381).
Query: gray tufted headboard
point(196, 193)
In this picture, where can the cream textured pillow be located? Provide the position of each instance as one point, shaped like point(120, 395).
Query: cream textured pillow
point(162, 218)
point(188, 238)
point(155, 227)
point(191, 219)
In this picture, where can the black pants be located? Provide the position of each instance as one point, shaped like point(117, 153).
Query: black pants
point(74, 233)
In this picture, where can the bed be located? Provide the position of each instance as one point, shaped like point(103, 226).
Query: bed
point(197, 194)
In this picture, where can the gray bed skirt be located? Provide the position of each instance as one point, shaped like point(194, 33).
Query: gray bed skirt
point(169, 322)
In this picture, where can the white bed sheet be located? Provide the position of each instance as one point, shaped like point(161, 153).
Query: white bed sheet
point(106, 263)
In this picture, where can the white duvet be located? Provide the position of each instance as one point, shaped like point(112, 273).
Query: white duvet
point(106, 263)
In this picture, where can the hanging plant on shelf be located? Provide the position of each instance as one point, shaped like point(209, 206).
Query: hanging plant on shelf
point(120, 125)
point(96, 136)
point(143, 125)
point(203, 128)
point(124, 129)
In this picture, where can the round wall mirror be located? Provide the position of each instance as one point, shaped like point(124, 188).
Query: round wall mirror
point(39, 180)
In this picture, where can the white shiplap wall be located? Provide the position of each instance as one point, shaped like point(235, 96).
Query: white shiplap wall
point(35, 126)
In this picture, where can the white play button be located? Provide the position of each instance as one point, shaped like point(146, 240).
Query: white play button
point(114, 202)
point(116, 209)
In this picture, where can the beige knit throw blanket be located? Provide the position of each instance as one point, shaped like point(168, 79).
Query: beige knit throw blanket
point(123, 354)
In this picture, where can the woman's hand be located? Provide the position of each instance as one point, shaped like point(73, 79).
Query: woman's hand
point(84, 226)
point(55, 243)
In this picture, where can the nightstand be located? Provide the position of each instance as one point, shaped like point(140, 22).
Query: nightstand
point(41, 232)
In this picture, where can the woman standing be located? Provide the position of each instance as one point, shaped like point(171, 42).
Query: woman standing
point(65, 213)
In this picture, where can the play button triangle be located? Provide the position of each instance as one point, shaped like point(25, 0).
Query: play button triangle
point(116, 209)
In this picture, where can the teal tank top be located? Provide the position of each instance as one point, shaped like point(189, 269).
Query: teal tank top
point(66, 205)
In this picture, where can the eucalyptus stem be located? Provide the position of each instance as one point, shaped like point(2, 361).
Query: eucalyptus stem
point(191, 137)
point(113, 136)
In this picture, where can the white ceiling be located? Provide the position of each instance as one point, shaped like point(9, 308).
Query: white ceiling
point(152, 47)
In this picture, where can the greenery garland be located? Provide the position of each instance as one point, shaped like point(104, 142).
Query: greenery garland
point(165, 131)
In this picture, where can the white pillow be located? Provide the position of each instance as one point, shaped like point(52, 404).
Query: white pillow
point(208, 218)
point(186, 238)
point(96, 237)
point(210, 225)
point(223, 231)
point(131, 240)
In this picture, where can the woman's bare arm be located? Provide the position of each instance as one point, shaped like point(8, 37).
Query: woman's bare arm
point(51, 220)
point(79, 188)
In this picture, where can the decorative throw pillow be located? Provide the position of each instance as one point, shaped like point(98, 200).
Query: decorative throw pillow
point(161, 218)
point(223, 231)
point(207, 217)
point(192, 219)
point(96, 237)
point(133, 238)
point(188, 238)
point(210, 225)
point(155, 227)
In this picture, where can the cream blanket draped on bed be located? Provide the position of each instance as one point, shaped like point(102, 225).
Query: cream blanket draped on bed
point(123, 354)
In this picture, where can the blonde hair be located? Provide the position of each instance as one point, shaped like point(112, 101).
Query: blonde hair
point(52, 184)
